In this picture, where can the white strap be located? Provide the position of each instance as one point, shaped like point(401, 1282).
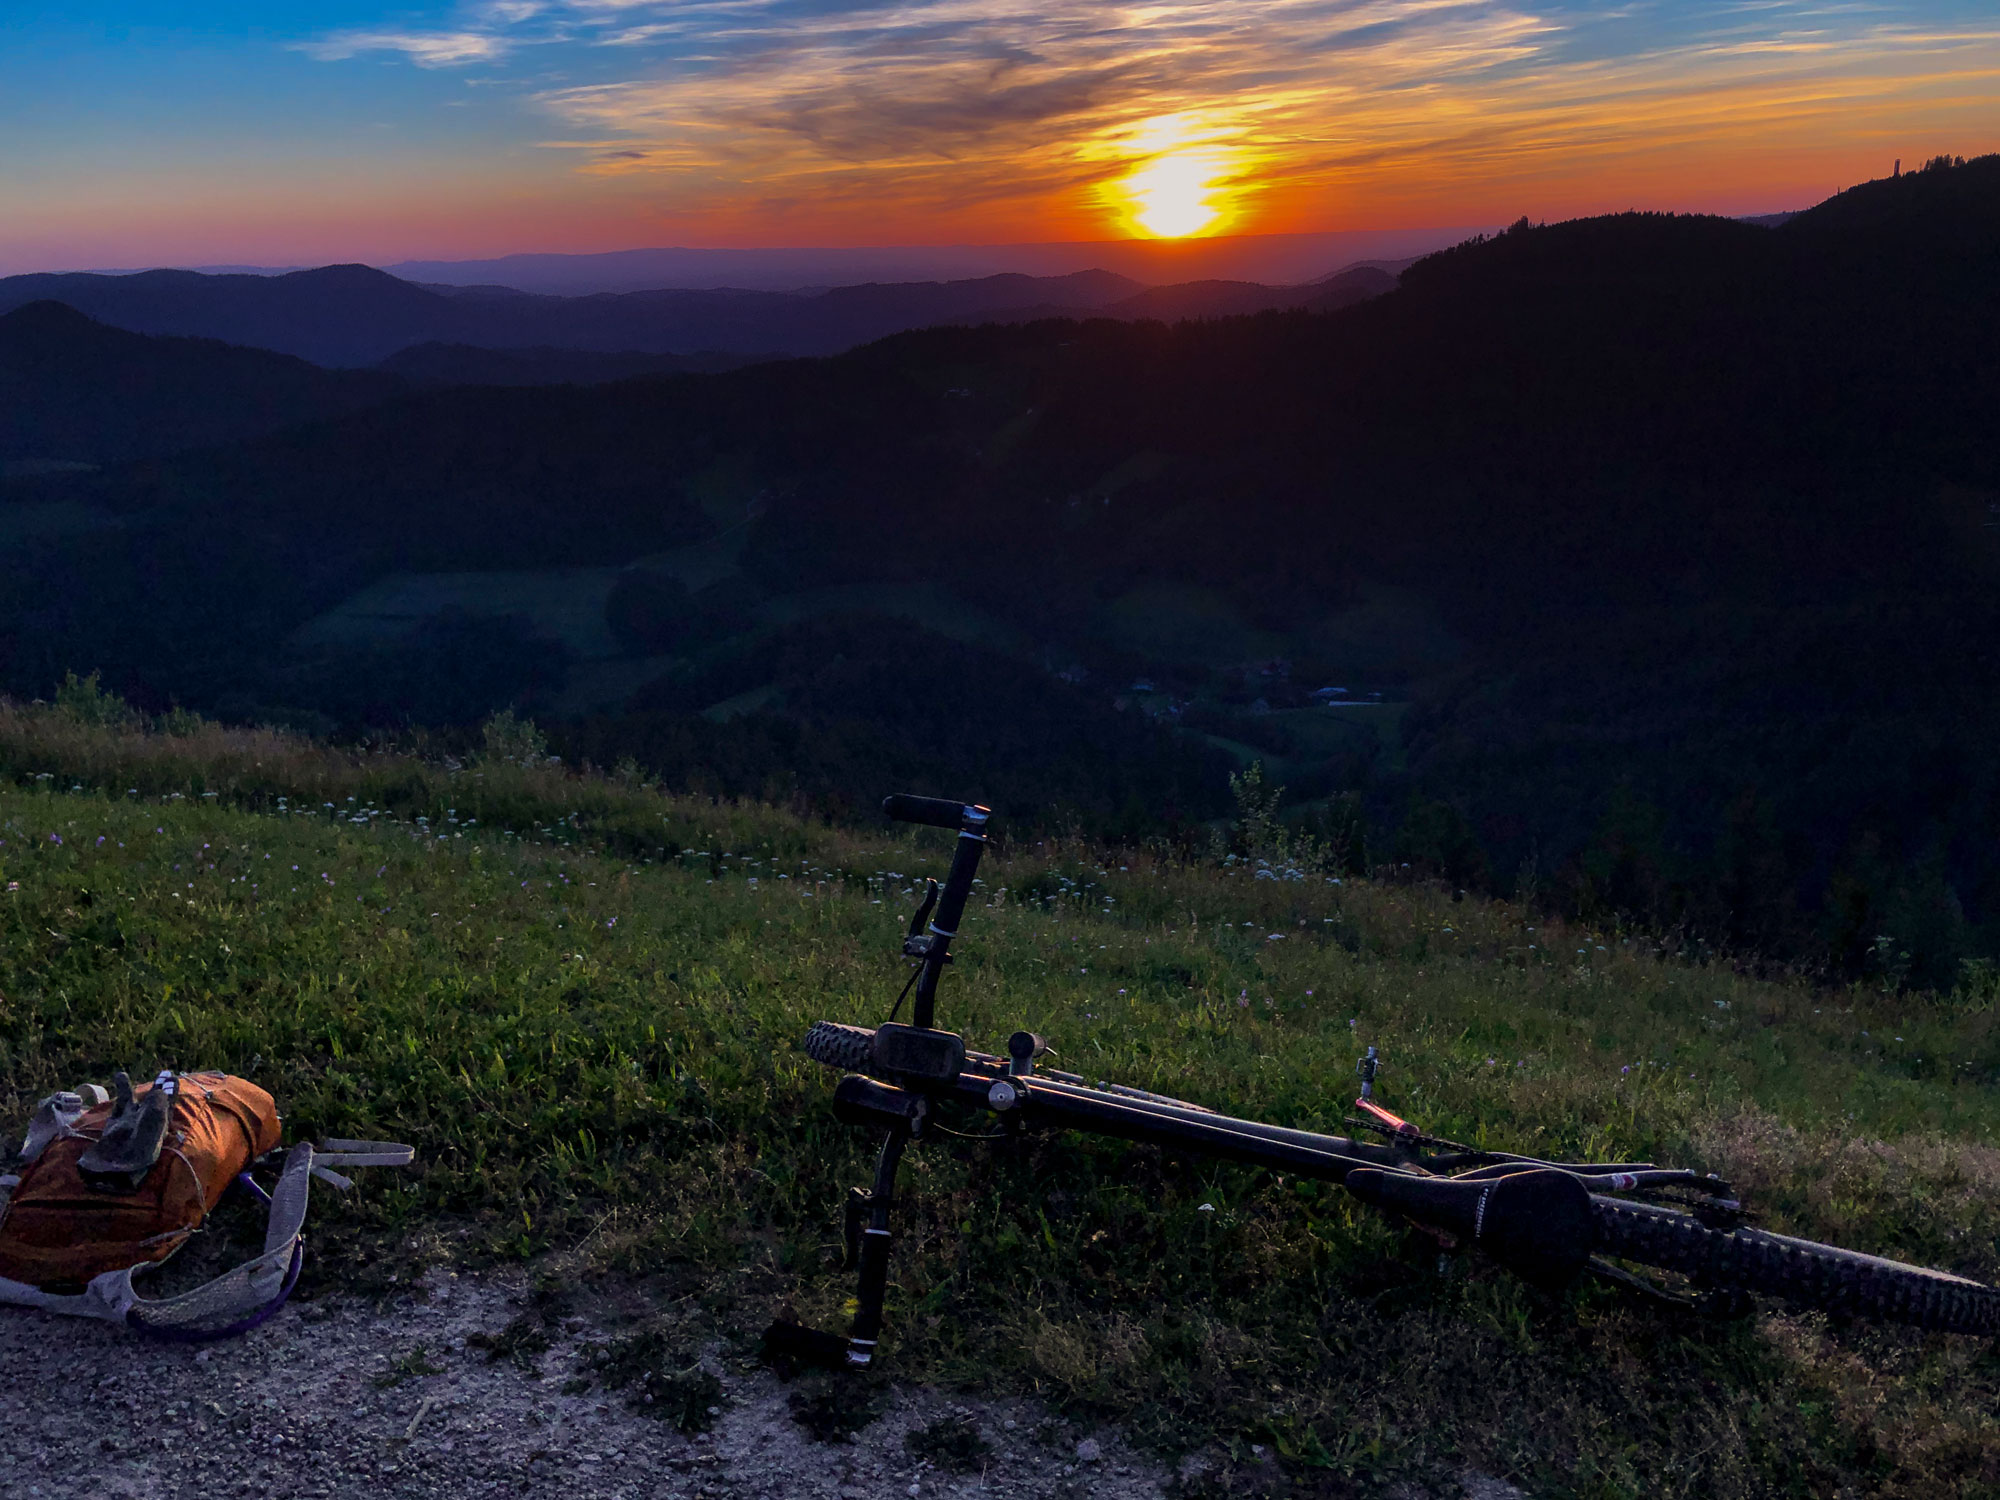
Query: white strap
point(358, 1154)
point(96, 1301)
point(367, 1153)
point(239, 1292)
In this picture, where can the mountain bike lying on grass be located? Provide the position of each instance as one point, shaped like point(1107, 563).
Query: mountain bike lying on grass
point(1548, 1222)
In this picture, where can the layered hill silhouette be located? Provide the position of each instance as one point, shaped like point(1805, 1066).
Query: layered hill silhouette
point(336, 315)
point(1709, 504)
point(353, 316)
point(1276, 260)
point(73, 390)
point(429, 365)
point(1223, 299)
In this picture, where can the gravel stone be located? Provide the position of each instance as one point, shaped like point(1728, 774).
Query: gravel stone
point(304, 1409)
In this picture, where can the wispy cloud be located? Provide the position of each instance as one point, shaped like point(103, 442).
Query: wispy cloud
point(962, 101)
point(758, 106)
point(427, 49)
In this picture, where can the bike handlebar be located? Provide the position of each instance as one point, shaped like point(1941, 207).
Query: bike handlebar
point(934, 947)
point(938, 812)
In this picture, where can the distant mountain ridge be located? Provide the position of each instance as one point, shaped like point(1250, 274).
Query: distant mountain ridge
point(1222, 299)
point(75, 389)
point(350, 316)
point(1268, 259)
point(333, 315)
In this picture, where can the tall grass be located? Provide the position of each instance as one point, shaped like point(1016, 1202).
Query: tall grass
point(581, 999)
point(91, 742)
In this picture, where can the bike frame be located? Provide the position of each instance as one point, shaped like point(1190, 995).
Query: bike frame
point(909, 1072)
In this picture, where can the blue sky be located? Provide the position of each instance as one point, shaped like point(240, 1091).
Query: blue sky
point(202, 133)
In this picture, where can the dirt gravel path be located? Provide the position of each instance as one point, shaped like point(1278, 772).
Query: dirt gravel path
point(334, 1399)
point(330, 1400)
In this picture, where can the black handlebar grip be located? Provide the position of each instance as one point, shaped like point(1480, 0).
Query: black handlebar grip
point(939, 812)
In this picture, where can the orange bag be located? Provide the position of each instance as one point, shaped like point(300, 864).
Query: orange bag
point(58, 1231)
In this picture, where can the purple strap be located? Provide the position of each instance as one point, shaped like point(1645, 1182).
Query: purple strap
point(242, 1325)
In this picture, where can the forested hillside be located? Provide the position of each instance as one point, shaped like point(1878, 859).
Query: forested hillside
point(1664, 541)
point(74, 391)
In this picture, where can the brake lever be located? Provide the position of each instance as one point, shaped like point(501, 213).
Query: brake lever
point(924, 911)
point(916, 944)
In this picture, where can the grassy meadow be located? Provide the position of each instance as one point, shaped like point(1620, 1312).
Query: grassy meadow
point(581, 998)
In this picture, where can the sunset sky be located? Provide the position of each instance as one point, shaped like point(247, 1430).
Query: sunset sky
point(149, 133)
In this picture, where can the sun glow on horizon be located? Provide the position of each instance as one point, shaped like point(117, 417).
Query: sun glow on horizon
point(489, 127)
point(1173, 196)
point(1182, 176)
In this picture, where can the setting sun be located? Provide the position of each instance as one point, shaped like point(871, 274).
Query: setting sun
point(1173, 196)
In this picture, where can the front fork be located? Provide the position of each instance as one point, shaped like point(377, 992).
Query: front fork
point(868, 1239)
point(868, 1246)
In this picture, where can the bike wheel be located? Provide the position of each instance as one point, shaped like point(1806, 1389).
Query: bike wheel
point(1802, 1272)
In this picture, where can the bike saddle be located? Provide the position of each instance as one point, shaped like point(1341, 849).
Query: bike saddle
point(118, 1161)
point(1537, 1223)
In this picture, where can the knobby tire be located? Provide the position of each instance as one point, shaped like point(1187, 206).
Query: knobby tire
point(1802, 1272)
point(848, 1048)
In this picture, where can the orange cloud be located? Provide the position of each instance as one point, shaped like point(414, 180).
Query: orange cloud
point(824, 119)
